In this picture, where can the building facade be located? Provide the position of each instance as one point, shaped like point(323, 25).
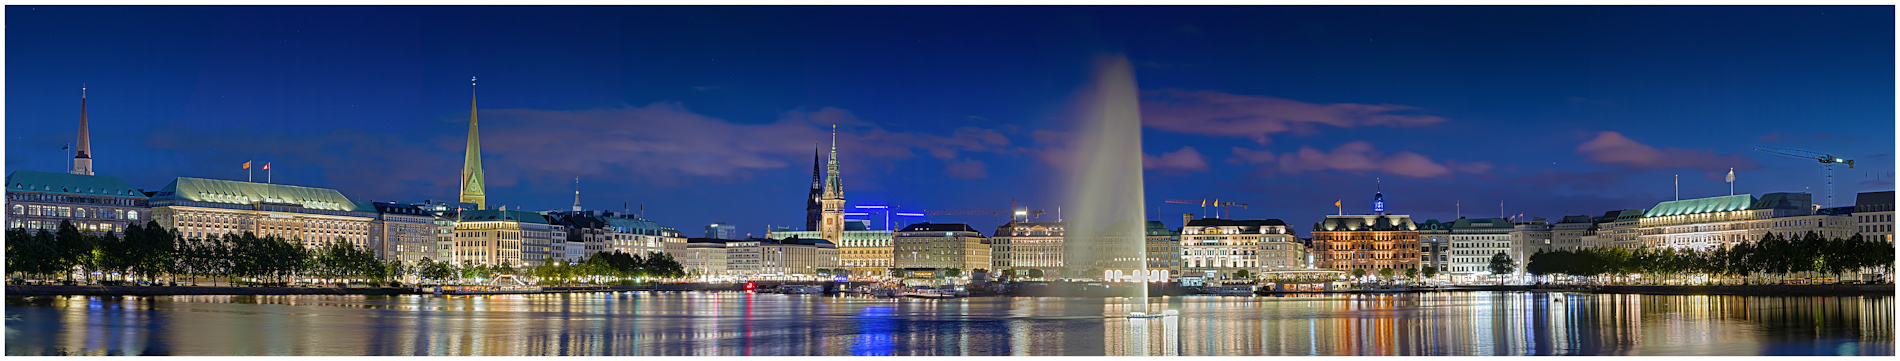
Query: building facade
point(941, 246)
point(1472, 244)
point(401, 232)
point(796, 257)
point(742, 257)
point(1220, 248)
point(498, 238)
point(722, 231)
point(705, 257)
point(1434, 245)
point(1368, 242)
point(1873, 215)
point(861, 253)
point(1567, 233)
point(1718, 222)
point(314, 217)
point(40, 200)
point(1021, 246)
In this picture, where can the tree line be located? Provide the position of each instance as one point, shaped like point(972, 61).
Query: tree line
point(615, 267)
point(1774, 255)
point(153, 253)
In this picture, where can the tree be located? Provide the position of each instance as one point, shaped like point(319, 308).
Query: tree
point(952, 272)
point(75, 250)
point(1241, 274)
point(1385, 273)
point(1429, 272)
point(1035, 273)
point(1501, 264)
point(1411, 273)
point(1358, 273)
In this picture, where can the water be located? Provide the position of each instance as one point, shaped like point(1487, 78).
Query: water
point(730, 323)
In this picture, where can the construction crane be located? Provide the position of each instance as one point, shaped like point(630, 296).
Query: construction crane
point(1014, 212)
point(1827, 164)
point(1216, 203)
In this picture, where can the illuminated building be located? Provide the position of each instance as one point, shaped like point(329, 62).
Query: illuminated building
point(1873, 215)
point(832, 200)
point(704, 256)
point(722, 231)
point(39, 200)
point(1218, 248)
point(861, 252)
point(82, 153)
point(1021, 246)
point(1708, 223)
point(1472, 243)
point(796, 256)
point(401, 232)
point(941, 246)
point(201, 208)
point(1434, 245)
point(1567, 234)
point(1369, 242)
point(496, 238)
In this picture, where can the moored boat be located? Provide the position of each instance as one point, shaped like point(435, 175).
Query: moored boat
point(499, 286)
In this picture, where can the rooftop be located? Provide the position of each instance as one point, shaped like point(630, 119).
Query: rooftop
point(73, 184)
point(495, 215)
point(247, 193)
point(938, 227)
point(1702, 205)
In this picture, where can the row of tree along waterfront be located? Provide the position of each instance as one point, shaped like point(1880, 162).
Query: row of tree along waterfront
point(153, 254)
point(1773, 256)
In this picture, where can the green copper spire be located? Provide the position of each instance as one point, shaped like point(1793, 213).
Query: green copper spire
point(472, 189)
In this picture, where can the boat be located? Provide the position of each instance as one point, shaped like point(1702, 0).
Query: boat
point(1385, 288)
point(502, 285)
point(1229, 290)
point(1168, 313)
point(801, 289)
point(930, 293)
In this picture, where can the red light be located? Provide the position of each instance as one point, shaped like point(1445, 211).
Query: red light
point(748, 286)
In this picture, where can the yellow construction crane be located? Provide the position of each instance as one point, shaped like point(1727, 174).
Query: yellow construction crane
point(1216, 203)
point(1827, 164)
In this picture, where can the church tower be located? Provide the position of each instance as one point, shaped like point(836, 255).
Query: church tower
point(472, 189)
point(815, 211)
point(82, 157)
point(833, 197)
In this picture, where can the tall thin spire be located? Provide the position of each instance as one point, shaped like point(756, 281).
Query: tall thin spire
point(1378, 197)
point(832, 201)
point(82, 156)
point(473, 190)
point(814, 210)
point(577, 194)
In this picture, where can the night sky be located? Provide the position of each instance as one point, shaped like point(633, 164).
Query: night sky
point(710, 114)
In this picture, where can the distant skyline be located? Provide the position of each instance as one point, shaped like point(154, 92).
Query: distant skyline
point(709, 114)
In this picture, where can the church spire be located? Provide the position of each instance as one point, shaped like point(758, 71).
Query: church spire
point(472, 188)
point(82, 156)
point(1378, 197)
point(577, 194)
point(834, 187)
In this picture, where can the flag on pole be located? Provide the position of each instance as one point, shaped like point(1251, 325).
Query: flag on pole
point(266, 165)
point(1731, 175)
point(63, 147)
point(247, 164)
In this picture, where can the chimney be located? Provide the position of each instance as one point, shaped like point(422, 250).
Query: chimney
point(1185, 217)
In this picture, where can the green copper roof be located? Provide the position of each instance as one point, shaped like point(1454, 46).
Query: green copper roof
point(74, 184)
point(1702, 205)
point(247, 193)
point(495, 215)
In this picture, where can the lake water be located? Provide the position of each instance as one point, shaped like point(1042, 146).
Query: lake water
point(730, 323)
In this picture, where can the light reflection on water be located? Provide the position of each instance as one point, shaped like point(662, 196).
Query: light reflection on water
point(1477, 323)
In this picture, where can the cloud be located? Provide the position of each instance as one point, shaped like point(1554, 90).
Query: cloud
point(1613, 148)
point(967, 169)
point(1251, 157)
point(1257, 117)
point(1360, 156)
point(1185, 158)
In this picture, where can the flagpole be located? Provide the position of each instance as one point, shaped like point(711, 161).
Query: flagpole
point(247, 171)
point(1678, 187)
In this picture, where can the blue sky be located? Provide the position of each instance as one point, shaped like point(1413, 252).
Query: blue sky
point(709, 114)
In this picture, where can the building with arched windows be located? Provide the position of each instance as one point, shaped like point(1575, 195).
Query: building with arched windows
point(200, 208)
point(40, 200)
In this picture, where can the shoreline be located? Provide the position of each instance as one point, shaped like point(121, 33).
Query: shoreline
point(1755, 290)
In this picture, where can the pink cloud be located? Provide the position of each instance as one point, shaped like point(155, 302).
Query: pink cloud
point(1257, 117)
point(1613, 148)
point(1361, 156)
point(1250, 157)
point(1185, 158)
